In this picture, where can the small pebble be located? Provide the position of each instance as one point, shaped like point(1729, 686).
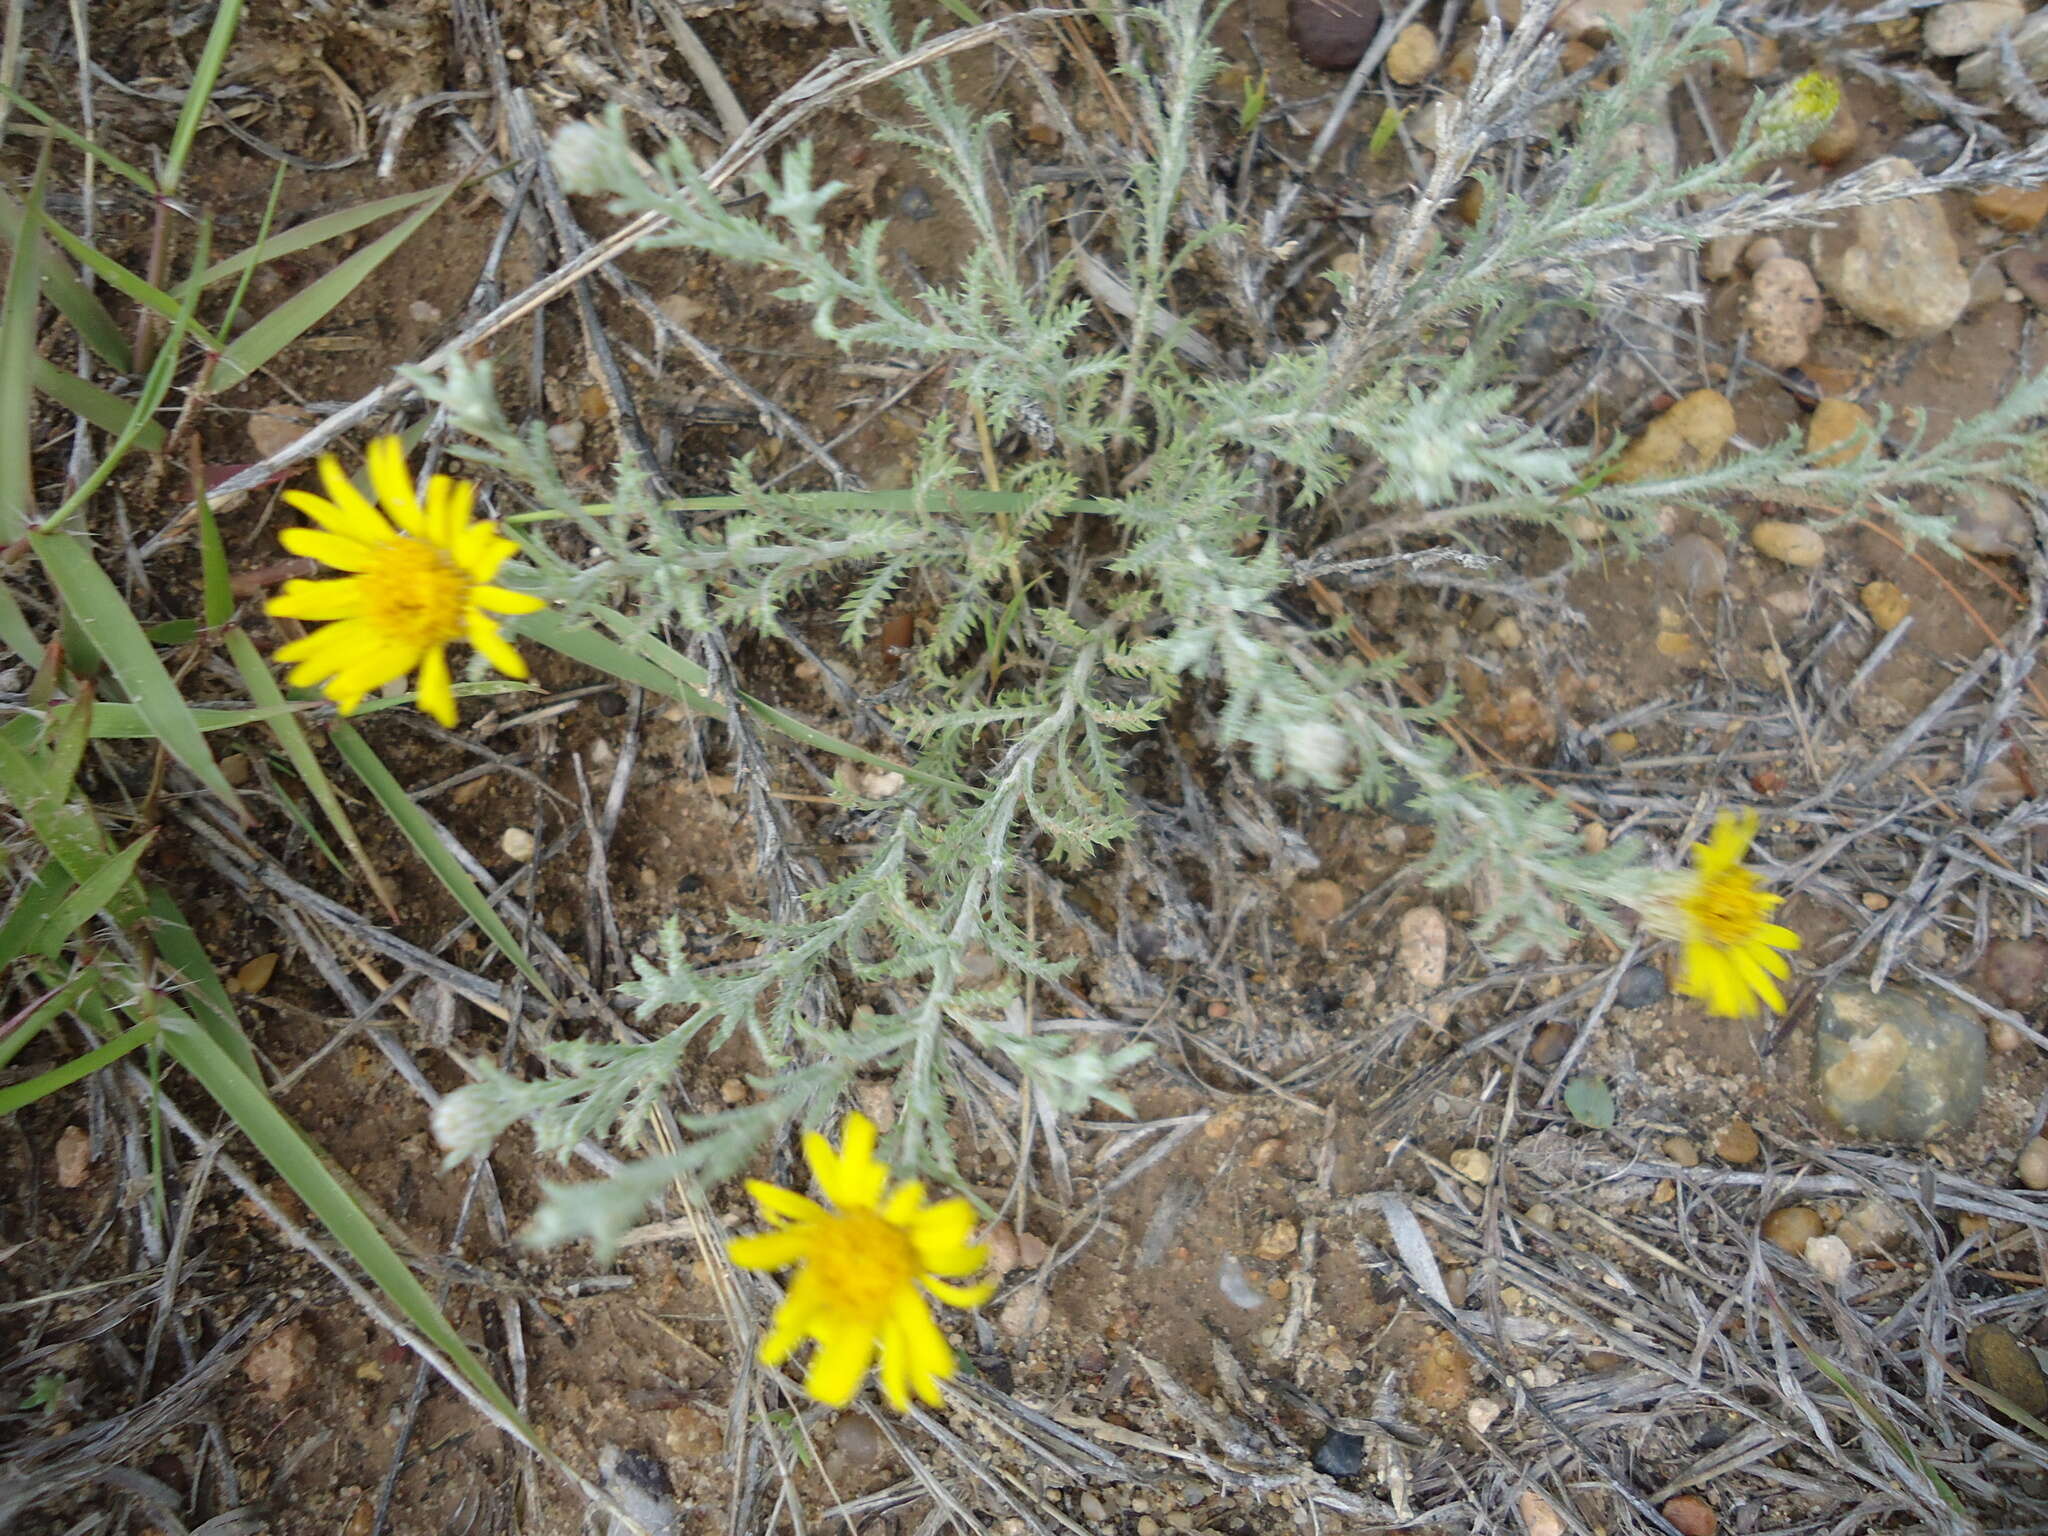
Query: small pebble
point(2017, 209)
point(1687, 437)
point(1550, 1043)
point(1539, 1518)
point(1792, 1227)
point(517, 843)
point(915, 204)
point(424, 312)
point(1682, 1150)
point(1094, 1509)
point(1903, 1065)
point(2015, 972)
point(1025, 1314)
point(1886, 605)
point(1829, 1258)
point(74, 1157)
point(1332, 34)
point(1472, 1163)
point(1641, 986)
point(1341, 1454)
point(1691, 1515)
point(1423, 947)
point(1837, 431)
point(1834, 143)
point(1482, 1413)
point(1696, 566)
point(1414, 56)
point(1930, 149)
point(1792, 544)
point(2001, 1362)
point(1737, 1143)
point(1000, 1240)
point(1871, 1225)
point(566, 436)
point(1236, 1285)
point(2033, 1163)
point(1278, 1241)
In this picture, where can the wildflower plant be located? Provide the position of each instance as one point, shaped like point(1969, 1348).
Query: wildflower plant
point(1135, 552)
point(419, 578)
point(1718, 913)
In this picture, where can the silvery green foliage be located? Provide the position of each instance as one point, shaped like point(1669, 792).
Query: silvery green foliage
point(1046, 658)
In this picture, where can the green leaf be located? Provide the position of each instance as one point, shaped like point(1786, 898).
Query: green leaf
point(329, 226)
point(1590, 1102)
point(39, 1015)
point(18, 355)
point(173, 632)
point(205, 993)
point(313, 303)
point(47, 1083)
point(105, 410)
point(314, 1182)
point(218, 596)
point(199, 94)
point(125, 283)
point(419, 831)
point(50, 886)
point(96, 605)
point(74, 301)
point(95, 894)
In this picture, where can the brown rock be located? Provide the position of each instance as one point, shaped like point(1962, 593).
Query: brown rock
point(2001, 1362)
point(1895, 264)
point(1783, 312)
point(1792, 1227)
point(2032, 1166)
point(1550, 1042)
point(1424, 947)
point(1746, 58)
point(1691, 1515)
point(2018, 209)
point(275, 428)
point(74, 1157)
point(1790, 543)
point(1737, 1143)
point(2015, 973)
point(1595, 21)
point(1836, 142)
point(1278, 1241)
point(1441, 1375)
point(278, 1365)
point(1414, 56)
point(1687, 437)
point(1886, 605)
point(1837, 431)
point(1696, 566)
point(2028, 272)
point(1332, 34)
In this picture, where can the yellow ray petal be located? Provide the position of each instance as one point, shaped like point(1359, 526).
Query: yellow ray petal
point(363, 520)
point(319, 601)
point(504, 600)
point(840, 1366)
point(329, 549)
point(781, 1205)
point(769, 1250)
point(436, 688)
point(964, 1296)
point(494, 648)
point(392, 482)
point(360, 521)
point(895, 1366)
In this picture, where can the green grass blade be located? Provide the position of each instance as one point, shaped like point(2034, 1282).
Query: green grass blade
point(418, 831)
point(125, 283)
point(18, 355)
point(295, 1157)
point(218, 597)
point(126, 722)
point(74, 301)
point(199, 96)
point(227, 319)
point(105, 410)
point(96, 605)
point(47, 1083)
point(154, 388)
point(67, 829)
point(39, 1015)
point(16, 634)
point(301, 237)
point(205, 995)
point(313, 303)
point(94, 895)
point(50, 886)
point(80, 142)
point(262, 686)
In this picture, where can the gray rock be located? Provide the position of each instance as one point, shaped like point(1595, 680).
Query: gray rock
point(1964, 26)
point(1895, 265)
point(1641, 985)
point(1904, 1065)
point(1341, 1454)
point(1979, 75)
point(1930, 149)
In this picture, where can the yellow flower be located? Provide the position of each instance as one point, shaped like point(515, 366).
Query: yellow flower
point(420, 579)
point(1715, 911)
point(864, 1270)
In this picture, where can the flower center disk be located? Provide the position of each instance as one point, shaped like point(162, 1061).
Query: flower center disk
point(416, 594)
point(1729, 907)
point(863, 1264)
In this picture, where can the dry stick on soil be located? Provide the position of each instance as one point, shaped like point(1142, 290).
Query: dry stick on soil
point(830, 83)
